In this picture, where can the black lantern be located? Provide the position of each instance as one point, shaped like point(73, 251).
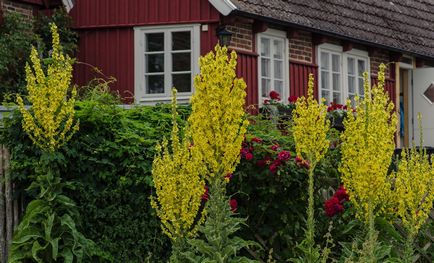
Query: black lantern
point(224, 36)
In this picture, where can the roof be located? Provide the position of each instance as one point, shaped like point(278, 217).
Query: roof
point(403, 25)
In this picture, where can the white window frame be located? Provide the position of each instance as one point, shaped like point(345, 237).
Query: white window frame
point(139, 62)
point(273, 34)
point(353, 53)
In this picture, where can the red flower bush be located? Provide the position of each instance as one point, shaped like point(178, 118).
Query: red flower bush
point(256, 140)
point(292, 99)
point(284, 156)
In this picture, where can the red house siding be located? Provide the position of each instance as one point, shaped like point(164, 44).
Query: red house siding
point(106, 29)
point(299, 77)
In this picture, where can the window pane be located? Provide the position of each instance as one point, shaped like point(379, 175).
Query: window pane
point(278, 49)
point(336, 97)
point(361, 67)
point(181, 40)
point(351, 70)
point(265, 66)
point(326, 95)
point(278, 86)
point(181, 62)
point(361, 88)
point(155, 42)
point(351, 85)
point(182, 82)
point(325, 80)
point(155, 84)
point(265, 47)
point(336, 63)
point(154, 63)
point(325, 60)
point(278, 69)
point(336, 82)
point(265, 87)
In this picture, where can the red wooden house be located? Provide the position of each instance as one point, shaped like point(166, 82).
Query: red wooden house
point(150, 46)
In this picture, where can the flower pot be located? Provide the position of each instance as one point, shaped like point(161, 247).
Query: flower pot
point(337, 123)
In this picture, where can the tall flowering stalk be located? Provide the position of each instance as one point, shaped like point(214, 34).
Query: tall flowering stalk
point(310, 135)
point(50, 122)
point(179, 184)
point(217, 123)
point(47, 232)
point(413, 193)
point(367, 149)
point(217, 126)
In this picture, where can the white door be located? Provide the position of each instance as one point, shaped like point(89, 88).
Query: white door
point(422, 101)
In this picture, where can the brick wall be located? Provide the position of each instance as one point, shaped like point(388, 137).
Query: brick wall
point(378, 57)
point(301, 47)
point(12, 6)
point(242, 30)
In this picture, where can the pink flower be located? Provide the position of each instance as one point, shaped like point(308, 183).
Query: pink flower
point(274, 95)
point(234, 205)
point(292, 99)
point(284, 156)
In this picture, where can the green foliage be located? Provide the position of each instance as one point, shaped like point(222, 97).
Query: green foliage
point(16, 38)
point(218, 241)
point(48, 231)
point(17, 35)
point(109, 164)
point(69, 38)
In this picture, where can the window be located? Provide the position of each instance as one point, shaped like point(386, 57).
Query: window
point(165, 57)
point(341, 73)
point(273, 63)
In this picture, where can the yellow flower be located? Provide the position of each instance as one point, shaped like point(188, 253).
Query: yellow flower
point(311, 127)
point(217, 122)
point(50, 121)
point(178, 183)
point(414, 189)
point(367, 149)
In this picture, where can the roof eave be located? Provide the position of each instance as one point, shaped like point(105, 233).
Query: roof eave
point(330, 34)
point(225, 7)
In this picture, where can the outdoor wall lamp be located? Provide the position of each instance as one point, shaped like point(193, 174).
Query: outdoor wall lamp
point(224, 36)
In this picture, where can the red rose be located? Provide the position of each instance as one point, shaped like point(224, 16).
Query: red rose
point(292, 99)
point(341, 194)
point(266, 101)
point(274, 95)
point(234, 205)
point(275, 147)
point(257, 140)
point(333, 207)
point(274, 166)
point(249, 156)
point(298, 159)
point(262, 163)
point(205, 196)
point(284, 155)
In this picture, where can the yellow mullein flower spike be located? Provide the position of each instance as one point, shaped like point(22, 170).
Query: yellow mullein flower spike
point(367, 148)
point(311, 126)
point(178, 182)
point(217, 123)
point(414, 188)
point(50, 121)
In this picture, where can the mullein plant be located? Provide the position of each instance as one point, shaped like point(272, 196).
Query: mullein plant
point(414, 193)
point(179, 186)
point(310, 135)
point(48, 232)
point(367, 150)
point(217, 126)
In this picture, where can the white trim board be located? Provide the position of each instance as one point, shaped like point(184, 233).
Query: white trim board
point(69, 4)
point(225, 7)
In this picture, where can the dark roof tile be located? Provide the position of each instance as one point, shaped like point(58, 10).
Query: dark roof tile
point(406, 25)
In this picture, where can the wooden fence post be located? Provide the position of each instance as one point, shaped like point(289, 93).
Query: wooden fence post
point(2, 208)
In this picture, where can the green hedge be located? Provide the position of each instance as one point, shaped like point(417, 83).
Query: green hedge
point(109, 163)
